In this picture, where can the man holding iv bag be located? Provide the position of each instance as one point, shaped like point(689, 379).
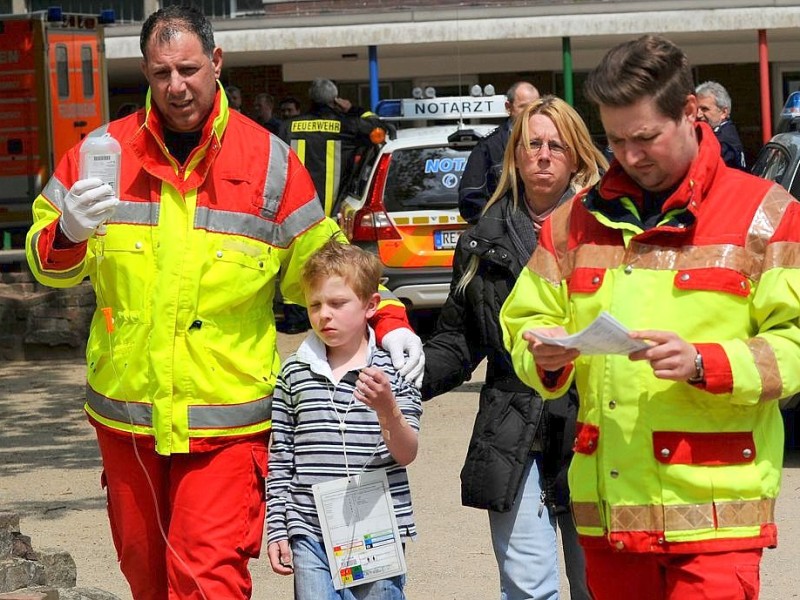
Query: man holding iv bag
point(182, 252)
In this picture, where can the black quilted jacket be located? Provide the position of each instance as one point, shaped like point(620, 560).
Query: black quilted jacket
point(510, 415)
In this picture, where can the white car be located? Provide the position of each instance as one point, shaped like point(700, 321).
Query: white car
point(402, 204)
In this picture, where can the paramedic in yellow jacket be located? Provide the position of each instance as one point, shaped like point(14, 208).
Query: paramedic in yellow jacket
point(679, 448)
point(182, 355)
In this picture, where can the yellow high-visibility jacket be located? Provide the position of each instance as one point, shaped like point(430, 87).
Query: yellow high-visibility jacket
point(661, 465)
point(186, 271)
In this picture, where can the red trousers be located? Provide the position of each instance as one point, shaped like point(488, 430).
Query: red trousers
point(615, 575)
point(185, 525)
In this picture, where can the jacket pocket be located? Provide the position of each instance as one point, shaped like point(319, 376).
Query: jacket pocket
point(713, 280)
point(586, 438)
point(585, 280)
point(706, 449)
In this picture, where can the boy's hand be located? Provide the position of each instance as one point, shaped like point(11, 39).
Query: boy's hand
point(374, 389)
point(280, 557)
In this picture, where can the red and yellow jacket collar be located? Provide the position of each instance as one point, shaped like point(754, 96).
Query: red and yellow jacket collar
point(609, 198)
point(694, 186)
point(147, 143)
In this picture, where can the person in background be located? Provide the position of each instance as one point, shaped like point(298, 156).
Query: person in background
point(288, 107)
point(714, 107)
point(520, 448)
point(482, 172)
point(679, 446)
point(182, 356)
point(234, 97)
point(262, 111)
point(340, 408)
point(329, 138)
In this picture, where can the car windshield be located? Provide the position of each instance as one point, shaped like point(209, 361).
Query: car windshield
point(424, 178)
point(771, 163)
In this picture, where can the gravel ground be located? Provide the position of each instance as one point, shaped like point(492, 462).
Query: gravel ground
point(50, 474)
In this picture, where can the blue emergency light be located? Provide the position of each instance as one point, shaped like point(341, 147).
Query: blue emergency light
point(54, 14)
point(792, 106)
point(107, 16)
point(388, 109)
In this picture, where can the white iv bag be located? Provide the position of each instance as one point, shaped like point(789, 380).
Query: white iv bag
point(100, 158)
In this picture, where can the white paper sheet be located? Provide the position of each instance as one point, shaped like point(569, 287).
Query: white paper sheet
point(605, 335)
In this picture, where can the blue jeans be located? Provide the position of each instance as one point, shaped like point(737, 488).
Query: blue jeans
point(312, 577)
point(524, 541)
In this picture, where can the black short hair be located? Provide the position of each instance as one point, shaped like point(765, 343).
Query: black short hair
point(166, 22)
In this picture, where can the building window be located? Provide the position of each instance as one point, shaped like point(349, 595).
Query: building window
point(210, 8)
point(87, 71)
point(62, 71)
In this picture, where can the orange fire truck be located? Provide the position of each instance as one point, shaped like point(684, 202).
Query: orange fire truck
point(53, 92)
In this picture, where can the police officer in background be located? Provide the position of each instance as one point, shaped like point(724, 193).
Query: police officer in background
point(714, 107)
point(482, 172)
point(328, 138)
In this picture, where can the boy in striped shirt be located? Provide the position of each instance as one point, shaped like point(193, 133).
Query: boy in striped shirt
point(339, 408)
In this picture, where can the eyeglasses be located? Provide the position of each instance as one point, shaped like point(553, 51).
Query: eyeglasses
point(555, 148)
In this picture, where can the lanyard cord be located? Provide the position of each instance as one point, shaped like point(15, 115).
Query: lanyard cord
point(109, 323)
point(342, 420)
point(343, 427)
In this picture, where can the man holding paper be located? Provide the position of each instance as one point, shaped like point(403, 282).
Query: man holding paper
point(679, 445)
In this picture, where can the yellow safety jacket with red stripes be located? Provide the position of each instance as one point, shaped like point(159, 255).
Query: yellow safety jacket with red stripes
point(661, 465)
point(186, 270)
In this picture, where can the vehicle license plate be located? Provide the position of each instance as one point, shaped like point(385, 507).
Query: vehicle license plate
point(445, 239)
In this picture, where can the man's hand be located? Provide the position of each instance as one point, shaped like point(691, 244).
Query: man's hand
point(670, 356)
point(280, 557)
point(88, 204)
point(549, 356)
point(401, 343)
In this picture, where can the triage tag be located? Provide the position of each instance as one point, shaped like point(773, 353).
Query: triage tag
point(359, 529)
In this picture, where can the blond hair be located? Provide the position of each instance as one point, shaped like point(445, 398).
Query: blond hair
point(573, 132)
point(360, 269)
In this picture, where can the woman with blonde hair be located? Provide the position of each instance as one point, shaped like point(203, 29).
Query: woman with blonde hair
point(520, 448)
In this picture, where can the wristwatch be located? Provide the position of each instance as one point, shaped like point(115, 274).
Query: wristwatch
point(699, 370)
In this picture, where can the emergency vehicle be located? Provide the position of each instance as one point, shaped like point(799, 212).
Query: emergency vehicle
point(52, 94)
point(402, 204)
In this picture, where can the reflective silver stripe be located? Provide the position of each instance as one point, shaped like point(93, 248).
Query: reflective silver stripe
point(270, 232)
point(136, 413)
point(55, 192)
point(766, 221)
point(277, 174)
point(68, 274)
point(137, 213)
point(387, 294)
point(226, 416)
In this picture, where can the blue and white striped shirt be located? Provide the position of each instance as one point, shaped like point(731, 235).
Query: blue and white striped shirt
point(307, 440)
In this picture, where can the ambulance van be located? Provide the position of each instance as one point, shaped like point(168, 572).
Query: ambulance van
point(52, 94)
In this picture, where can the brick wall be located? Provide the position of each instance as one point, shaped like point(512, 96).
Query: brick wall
point(37, 321)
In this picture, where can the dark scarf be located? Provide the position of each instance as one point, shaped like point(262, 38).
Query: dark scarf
point(521, 229)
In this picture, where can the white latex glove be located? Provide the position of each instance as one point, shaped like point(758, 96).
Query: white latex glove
point(88, 204)
point(401, 343)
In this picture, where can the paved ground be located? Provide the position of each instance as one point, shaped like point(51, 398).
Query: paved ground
point(50, 473)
